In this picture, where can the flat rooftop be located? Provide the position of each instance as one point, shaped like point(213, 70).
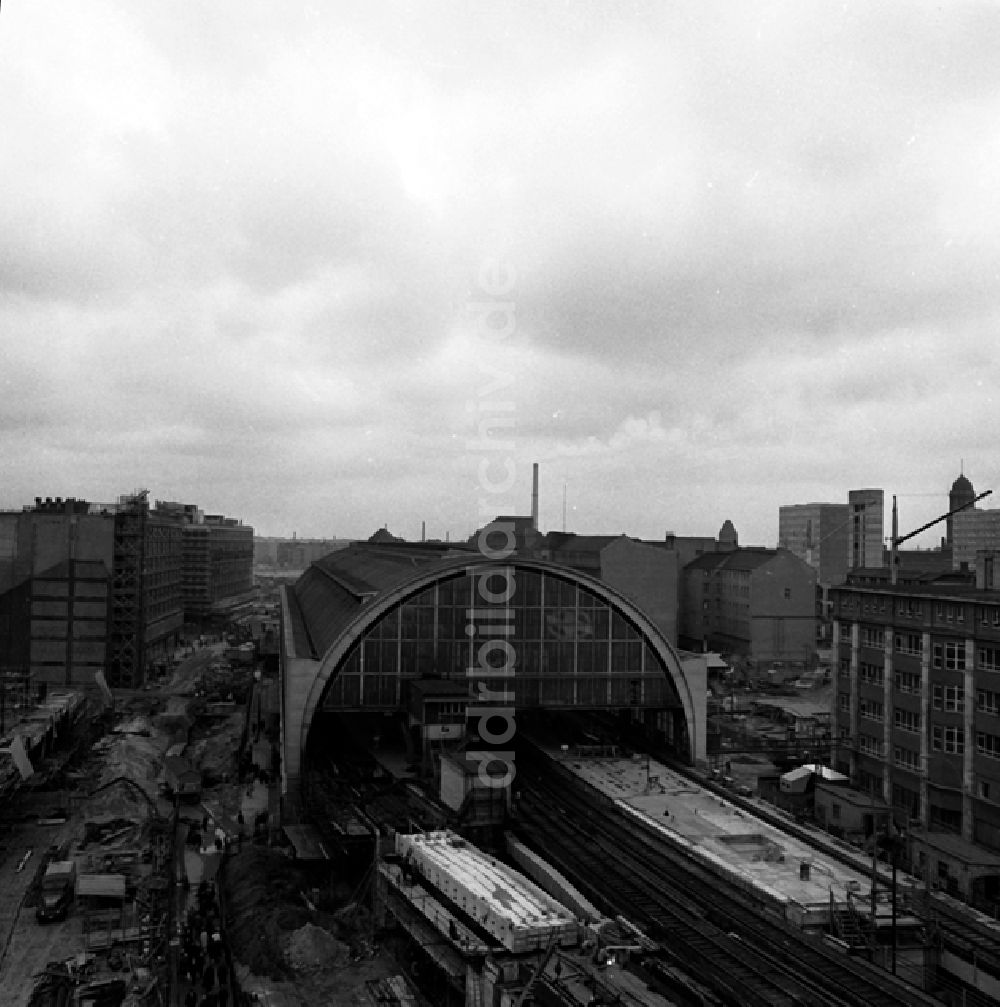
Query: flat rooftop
point(727, 835)
point(513, 909)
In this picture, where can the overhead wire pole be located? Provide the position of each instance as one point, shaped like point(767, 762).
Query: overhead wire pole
point(897, 539)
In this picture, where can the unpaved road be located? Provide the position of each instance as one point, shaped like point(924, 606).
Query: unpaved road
point(26, 946)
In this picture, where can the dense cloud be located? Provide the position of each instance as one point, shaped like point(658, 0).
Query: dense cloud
point(754, 257)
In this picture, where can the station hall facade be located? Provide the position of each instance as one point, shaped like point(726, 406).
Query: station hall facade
point(368, 628)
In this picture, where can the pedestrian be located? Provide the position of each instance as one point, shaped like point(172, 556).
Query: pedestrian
point(203, 940)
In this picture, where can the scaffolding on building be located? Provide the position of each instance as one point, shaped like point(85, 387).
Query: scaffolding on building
point(125, 665)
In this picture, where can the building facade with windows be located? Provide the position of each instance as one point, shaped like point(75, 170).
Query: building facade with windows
point(818, 534)
point(916, 717)
point(401, 633)
point(866, 531)
point(973, 532)
point(755, 604)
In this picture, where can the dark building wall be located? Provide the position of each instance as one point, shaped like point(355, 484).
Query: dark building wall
point(163, 603)
point(648, 576)
point(783, 610)
point(818, 534)
point(69, 624)
point(15, 630)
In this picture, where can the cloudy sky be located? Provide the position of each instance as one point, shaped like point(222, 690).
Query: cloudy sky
point(292, 261)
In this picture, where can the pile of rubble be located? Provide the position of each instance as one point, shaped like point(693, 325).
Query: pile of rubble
point(311, 948)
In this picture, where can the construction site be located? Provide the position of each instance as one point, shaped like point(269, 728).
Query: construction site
point(132, 825)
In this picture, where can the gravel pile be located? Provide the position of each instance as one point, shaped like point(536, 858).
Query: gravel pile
point(311, 948)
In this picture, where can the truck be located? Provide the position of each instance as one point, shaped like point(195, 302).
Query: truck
point(58, 885)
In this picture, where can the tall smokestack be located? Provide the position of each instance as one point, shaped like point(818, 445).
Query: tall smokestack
point(534, 496)
point(423, 531)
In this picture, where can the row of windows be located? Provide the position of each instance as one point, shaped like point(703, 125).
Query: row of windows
point(909, 643)
point(871, 674)
point(870, 709)
point(872, 636)
point(948, 698)
point(988, 702)
point(869, 745)
point(906, 758)
point(907, 681)
point(913, 608)
point(988, 658)
point(906, 720)
point(949, 613)
point(988, 745)
point(945, 698)
point(948, 655)
point(950, 740)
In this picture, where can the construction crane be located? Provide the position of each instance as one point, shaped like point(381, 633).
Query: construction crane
point(898, 539)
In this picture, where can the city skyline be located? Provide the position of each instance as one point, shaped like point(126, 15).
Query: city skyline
point(716, 259)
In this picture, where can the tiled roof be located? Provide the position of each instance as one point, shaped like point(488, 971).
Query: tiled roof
point(557, 541)
point(366, 568)
point(736, 559)
point(328, 595)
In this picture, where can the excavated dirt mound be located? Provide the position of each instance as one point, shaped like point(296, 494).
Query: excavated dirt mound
point(211, 749)
point(264, 906)
point(313, 949)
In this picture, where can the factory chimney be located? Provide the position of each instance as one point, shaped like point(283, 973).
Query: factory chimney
point(534, 496)
point(423, 531)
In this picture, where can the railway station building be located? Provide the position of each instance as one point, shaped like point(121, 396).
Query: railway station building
point(414, 632)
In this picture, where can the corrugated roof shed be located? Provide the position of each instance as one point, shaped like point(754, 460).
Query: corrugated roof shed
point(109, 886)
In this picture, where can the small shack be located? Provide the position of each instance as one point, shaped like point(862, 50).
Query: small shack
point(181, 778)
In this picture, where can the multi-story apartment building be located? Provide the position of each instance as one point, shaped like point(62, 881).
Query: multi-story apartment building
point(916, 716)
point(755, 604)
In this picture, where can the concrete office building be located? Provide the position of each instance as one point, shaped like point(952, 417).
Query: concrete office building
point(818, 533)
point(916, 719)
point(217, 567)
point(974, 532)
point(86, 587)
point(866, 532)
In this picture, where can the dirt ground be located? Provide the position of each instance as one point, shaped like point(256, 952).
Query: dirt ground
point(286, 946)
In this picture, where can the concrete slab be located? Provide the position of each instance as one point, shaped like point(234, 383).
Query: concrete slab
point(512, 909)
point(732, 838)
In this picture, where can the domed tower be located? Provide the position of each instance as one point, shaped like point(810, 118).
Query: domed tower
point(728, 539)
point(961, 494)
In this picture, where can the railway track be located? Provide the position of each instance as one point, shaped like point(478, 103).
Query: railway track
point(957, 932)
point(730, 943)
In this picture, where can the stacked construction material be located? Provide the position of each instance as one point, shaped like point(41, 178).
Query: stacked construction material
point(512, 909)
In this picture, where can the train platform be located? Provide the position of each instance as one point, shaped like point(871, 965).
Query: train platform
point(753, 852)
